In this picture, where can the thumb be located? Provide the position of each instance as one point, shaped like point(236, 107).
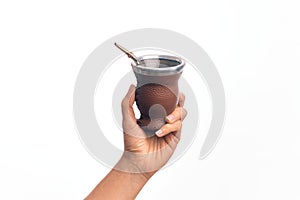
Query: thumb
point(127, 109)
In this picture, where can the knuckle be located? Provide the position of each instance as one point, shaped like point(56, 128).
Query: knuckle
point(166, 128)
point(182, 95)
point(179, 125)
point(181, 113)
point(185, 111)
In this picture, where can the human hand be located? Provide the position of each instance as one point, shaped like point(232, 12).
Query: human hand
point(143, 153)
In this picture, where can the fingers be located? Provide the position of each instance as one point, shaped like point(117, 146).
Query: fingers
point(168, 128)
point(178, 114)
point(174, 120)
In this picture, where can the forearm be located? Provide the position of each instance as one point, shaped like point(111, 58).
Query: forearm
point(119, 185)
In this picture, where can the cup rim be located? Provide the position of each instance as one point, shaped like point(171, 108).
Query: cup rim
point(159, 71)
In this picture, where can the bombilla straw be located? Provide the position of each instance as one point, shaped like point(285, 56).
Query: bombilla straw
point(128, 53)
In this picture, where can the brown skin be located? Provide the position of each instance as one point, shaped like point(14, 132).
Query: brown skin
point(143, 156)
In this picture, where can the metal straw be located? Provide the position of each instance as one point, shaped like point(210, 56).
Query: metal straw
point(128, 53)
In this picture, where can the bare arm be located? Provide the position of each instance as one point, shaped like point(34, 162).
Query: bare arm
point(119, 185)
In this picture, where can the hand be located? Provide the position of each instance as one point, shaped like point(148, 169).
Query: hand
point(144, 154)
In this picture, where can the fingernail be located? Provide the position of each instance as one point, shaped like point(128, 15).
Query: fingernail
point(170, 117)
point(159, 132)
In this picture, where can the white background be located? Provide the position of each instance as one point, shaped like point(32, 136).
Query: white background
point(254, 44)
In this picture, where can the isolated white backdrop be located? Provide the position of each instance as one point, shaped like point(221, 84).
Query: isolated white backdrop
point(254, 44)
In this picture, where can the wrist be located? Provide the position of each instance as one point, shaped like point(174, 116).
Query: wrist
point(120, 183)
point(133, 165)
